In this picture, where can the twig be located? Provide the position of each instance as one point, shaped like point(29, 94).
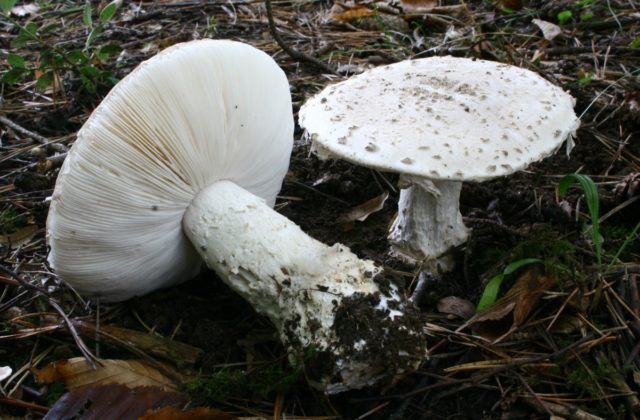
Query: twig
point(295, 54)
point(23, 404)
point(520, 362)
point(556, 51)
point(91, 359)
point(34, 136)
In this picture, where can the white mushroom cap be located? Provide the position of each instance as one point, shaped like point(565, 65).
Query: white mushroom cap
point(442, 118)
point(196, 113)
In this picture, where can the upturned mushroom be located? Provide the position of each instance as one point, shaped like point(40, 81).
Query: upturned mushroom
point(181, 163)
point(437, 122)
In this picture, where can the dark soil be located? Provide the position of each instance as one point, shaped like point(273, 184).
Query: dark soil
point(522, 216)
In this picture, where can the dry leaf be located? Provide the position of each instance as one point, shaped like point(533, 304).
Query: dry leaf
point(25, 10)
point(456, 306)
point(511, 4)
point(178, 353)
point(418, 6)
point(76, 373)
point(364, 210)
point(549, 30)
point(342, 14)
point(515, 306)
point(19, 237)
point(112, 402)
point(5, 372)
point(198, 413)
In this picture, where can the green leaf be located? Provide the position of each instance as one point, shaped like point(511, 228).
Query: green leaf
point(31, 30)
point(491, 290)
point(90, 71)
point(92, 36)
point(108, 11)
point(564, 16)
point(16, 61)
point(44, 81)
point(586, 16)
point(516, 265)
point(6, 5)
point(490, 293)
point(77, 57)
point(50, 28)
point(88, 85)
point(635, 43)
point(13, 76)
point(27, 33)
point(18, 41)
point(593, 204)
point(107, 51)
point(50, 58)
point(86, 15)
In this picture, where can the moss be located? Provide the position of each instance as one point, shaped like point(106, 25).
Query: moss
point(56, 390)
point(236, 383)
point(559, 255)
point(11, 221)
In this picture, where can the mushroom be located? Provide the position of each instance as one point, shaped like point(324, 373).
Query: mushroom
point(181, 163)
point(437, 122)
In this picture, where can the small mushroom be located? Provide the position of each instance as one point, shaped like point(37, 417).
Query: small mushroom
point(181, 163)
point(460, 120)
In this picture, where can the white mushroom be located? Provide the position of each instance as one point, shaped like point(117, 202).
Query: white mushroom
point(200, 137)
point(439, 121)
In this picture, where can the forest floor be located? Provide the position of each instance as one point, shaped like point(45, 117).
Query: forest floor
point(563, 340)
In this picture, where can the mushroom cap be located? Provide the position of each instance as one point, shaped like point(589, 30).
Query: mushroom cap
point(196, 113)
point(443, 118)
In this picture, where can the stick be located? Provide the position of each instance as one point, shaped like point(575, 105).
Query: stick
point(32, 135)
point(91, 359)
point(295, 54)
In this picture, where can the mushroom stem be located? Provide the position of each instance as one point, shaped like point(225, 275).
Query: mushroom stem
point(429, 222)
point(322, 300)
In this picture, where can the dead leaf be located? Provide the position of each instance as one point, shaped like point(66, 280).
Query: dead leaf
point(5, 372)
point(25, 10)
point(112, 402)
point(198, 413)
point(514, 307)
point(19, 237)
point(456, 306)
point(178, 353)
point(549, 30)
point(364, 210)
point(418, 6)
point(341, 13)
point(511, 4)
point(77, 373)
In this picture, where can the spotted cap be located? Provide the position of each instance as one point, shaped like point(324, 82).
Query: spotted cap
point(443, 118)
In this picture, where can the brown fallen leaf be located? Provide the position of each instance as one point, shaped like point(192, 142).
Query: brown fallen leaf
point(514, 307)
point(341, 13)
point(511, 4)
point(19, 237)
point(364, 210)
point(180, 354)
point(549, 30)
point(77, 373)
point(112, 401)
point(418, 6)
point(456, 306)
point(198, 413)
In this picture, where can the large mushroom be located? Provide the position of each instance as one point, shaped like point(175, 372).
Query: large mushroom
point(438, 121)
point(181, 163)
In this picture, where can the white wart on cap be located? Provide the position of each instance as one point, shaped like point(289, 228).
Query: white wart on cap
point(181, 163)
point(439, 121)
